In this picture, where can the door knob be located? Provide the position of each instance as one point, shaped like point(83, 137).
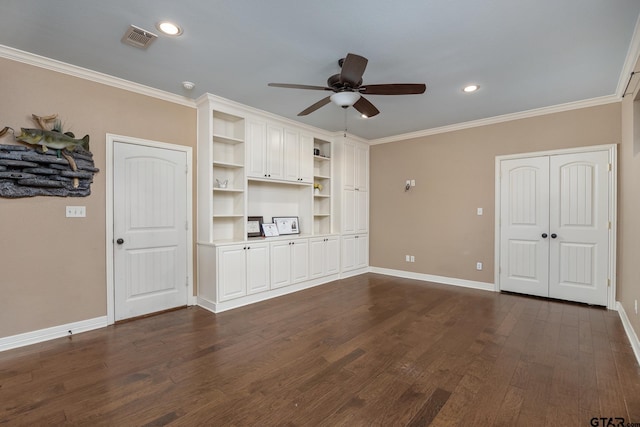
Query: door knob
point(120, 241)
point(544, 235)
point(554, 235)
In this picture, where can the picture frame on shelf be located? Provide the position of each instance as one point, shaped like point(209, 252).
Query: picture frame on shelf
point(286, 224)
point(270, 230)
point(254, 226)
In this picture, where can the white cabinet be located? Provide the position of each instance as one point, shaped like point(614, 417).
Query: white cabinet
point(324, 256)
point(355, 194)
point(243, 269)
point(279, 153)
point(356, 166)
point(289, 262)
point(355, 252)
point(265, 150)
point(355, 211)
point(298, 156)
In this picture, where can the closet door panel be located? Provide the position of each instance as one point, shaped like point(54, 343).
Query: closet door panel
point(524, 213)
point(579, 187)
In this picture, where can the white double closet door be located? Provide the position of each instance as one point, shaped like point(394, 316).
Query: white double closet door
point(554, 226)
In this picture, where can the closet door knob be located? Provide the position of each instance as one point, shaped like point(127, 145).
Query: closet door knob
point(544, 235)
point(554, 235)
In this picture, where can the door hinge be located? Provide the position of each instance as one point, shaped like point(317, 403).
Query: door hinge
point(186, 283)
point(608, 283)
point(186, 169)
point(186, 225)
point(609, 167)
point(609, 225)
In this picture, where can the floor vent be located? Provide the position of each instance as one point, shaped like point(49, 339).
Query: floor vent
point(137, 37)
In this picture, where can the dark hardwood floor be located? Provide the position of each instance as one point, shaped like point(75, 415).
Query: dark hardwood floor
point(369, 350)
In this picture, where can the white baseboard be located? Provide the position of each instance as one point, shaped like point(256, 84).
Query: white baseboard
point(34, 337)
point(219, 307)
point(631, 334)
point(436, 279)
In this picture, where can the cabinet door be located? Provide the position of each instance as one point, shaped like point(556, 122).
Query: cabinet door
point(348, 166)
point(291, 155)
point(231, 272)
point(348, 253)
point(332, 255)
point(362, 251)
point(349, 211)
point(275, 152)
point(306, 158)
point(257, 267)
point(300, 260)
point(361, 211)
point(256, 142)
point(361, 167)
point(316, 257)
point(280, 264)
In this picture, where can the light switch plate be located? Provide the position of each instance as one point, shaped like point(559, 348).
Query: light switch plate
point(479, 211)
point(76, 211)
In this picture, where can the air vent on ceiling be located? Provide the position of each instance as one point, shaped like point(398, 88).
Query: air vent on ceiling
point(136, 36)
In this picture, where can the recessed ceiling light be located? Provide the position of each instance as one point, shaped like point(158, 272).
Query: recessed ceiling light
point(169, 28)
point(471, 88)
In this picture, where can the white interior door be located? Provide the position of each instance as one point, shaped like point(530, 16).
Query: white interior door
point(524, 223)
point(554, 226)
point(150, 229)
point(579, 252)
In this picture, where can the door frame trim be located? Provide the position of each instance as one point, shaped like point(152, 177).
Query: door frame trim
point(612, 150)
point(111, 139)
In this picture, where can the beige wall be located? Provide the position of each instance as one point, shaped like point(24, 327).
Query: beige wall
point(436, 221)
point(52, 269)
point(629, 209)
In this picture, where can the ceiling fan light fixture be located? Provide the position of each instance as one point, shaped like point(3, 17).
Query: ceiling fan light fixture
point(470, 88)
point(345, 99)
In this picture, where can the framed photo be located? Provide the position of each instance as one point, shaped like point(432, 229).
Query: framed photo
point(270, 230)
point(254, 228)
point(287, 224)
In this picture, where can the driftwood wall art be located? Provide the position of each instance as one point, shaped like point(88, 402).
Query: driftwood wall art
point(63, 166)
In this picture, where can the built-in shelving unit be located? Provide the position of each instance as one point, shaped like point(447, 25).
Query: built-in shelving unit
point(322, 171)
point(254, 164)
point(228, 176)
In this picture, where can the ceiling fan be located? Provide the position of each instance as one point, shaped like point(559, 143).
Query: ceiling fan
point(348, 89)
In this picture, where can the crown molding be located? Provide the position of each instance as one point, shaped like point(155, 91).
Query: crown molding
point(94, 76)
point(501, 119)
point(630, 60)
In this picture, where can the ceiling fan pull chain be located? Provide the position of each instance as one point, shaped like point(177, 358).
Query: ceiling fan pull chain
point(345, 122)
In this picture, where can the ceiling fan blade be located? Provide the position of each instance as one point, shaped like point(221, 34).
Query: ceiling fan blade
point(314, 107)
point(394, 89)
point(365, 107)
point(294, 86)
point(353, 68)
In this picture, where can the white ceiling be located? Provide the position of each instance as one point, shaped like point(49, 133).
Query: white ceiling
point(524, 54)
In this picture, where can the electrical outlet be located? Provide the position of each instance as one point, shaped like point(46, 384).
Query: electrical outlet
point(479, 212)
point(636, 306)
point(413, 182)
point(76, 211)
point(413, 259)
point(478, 266)
point(407, 258)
